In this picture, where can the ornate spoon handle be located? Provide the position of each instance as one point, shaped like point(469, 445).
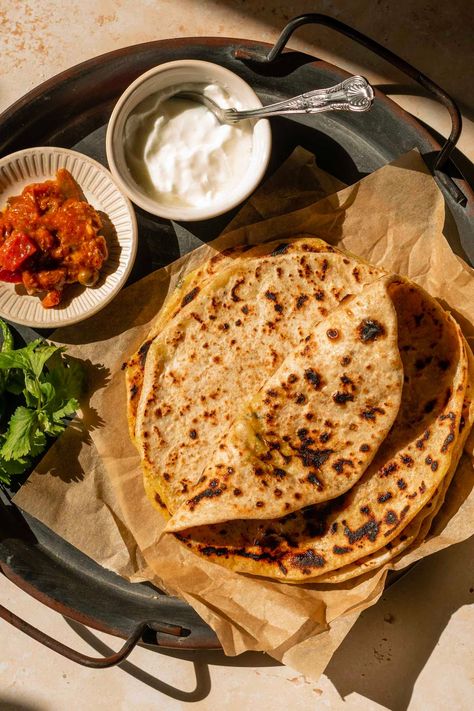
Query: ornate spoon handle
point(353, 94)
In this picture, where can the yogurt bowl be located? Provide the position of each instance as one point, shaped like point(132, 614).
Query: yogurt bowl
point(172, 157)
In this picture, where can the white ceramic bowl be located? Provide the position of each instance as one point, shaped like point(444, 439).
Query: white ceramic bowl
point(162, 78)
point(33, 165)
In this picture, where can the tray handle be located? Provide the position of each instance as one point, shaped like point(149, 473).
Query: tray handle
point(137, 635)
point(439, 93)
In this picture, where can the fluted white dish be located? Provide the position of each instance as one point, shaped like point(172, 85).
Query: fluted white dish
point(34, 165)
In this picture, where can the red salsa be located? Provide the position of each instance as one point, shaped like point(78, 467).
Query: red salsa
point(50, 236)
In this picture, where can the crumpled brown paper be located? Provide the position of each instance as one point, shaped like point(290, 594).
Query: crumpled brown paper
point(393, 218)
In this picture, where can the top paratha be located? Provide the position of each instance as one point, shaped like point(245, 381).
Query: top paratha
point(235, 331)
point(315, 426)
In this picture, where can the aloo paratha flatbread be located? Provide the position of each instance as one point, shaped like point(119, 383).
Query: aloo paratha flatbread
point(408, 468)
point(312, 430)
point(234, 333)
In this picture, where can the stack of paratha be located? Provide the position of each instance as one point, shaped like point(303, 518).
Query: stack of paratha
point(300, 413)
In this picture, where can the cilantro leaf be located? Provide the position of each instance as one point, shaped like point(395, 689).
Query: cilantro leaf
point(19, 358)
point(7, 343)
point(32, 390)
point(31, 358)
point(39, 355)
point(15, 381)
point(13, 359)
point(12, 468)
point(20, 435)
point(66, 410)
point(49, 425)
point(67, 376)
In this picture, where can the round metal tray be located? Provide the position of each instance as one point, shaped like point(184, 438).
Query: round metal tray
point(72, 110)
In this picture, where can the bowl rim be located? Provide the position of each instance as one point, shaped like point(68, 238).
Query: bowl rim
point(59, 322)
point(185, 213)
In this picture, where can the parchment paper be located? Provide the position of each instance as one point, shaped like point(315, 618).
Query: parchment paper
point(89, 490)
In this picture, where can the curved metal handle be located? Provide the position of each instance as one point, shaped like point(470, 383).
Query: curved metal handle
point(395, 60)
point(83, 659)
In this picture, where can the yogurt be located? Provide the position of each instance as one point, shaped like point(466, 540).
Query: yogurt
point(179, 153)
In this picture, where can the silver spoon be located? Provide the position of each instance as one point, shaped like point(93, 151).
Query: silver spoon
point(353, 94)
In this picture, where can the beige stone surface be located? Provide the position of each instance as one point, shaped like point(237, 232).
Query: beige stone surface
point(414, 649)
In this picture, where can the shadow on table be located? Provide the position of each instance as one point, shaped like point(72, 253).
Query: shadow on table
point(381, 657)
point(8, 704)
point(200, 659)
point(386, 650)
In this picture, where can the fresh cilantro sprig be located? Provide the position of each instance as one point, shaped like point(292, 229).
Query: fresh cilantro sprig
point(45, 386)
